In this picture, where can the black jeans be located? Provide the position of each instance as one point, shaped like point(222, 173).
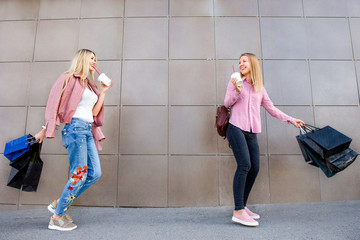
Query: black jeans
point(247, 154)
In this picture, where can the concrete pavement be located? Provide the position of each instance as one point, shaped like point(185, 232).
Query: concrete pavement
point(334, 220)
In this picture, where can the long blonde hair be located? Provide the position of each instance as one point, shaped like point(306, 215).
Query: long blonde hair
point(80, 65)
point(255, 71)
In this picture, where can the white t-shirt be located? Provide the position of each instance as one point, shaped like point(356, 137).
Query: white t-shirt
point(86, 105)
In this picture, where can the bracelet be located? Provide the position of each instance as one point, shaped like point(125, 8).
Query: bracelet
point(43, 127)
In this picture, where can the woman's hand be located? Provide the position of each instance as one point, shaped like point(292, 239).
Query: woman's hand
point(237, 88)
point(104, 88)
point(40, 135)
point(298, 123)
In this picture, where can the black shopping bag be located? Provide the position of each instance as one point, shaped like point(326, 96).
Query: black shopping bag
point(310, 156)
point(24, 159)
point(326, 141)
point(331, 164)
point(21, 161)
point(16, 177)
point(18, 147)
point(28, 176)
point(300, 139)
point(33, 172)
point(340, 161)
point(319, 162)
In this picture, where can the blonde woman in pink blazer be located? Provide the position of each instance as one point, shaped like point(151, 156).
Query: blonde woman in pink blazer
point(76, 101)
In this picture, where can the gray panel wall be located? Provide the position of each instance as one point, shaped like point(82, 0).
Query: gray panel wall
point(171, 61)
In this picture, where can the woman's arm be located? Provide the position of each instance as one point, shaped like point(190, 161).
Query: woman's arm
point(100, 102)
point(275, 112)
point(232, 93)
point(51, 109)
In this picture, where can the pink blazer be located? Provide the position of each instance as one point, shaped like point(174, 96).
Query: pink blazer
point(61, 107)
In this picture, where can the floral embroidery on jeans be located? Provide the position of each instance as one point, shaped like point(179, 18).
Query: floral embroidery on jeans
point(69, 200)
point(77, 176)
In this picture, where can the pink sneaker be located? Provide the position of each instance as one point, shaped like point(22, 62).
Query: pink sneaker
point(251, 214)
point(244, 219)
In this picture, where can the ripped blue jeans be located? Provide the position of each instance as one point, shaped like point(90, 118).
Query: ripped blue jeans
point(84, 162)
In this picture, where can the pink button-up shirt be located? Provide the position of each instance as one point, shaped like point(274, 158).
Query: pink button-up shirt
point(245, 107)
point(61, 107)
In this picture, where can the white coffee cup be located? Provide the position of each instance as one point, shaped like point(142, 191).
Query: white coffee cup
point(238, 78)
point(104, 79)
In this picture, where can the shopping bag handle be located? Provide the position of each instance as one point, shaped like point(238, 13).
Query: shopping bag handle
point(307, 128)
point(32, 140)
point(302, 130)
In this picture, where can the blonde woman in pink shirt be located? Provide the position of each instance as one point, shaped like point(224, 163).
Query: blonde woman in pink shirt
point(76, 101)
point(244, 124)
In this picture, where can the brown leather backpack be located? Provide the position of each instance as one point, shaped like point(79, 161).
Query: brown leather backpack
point(222, 119)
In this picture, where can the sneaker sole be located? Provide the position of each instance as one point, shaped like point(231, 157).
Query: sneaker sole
point(236, 220)
point(255, 217)
point(54, 227)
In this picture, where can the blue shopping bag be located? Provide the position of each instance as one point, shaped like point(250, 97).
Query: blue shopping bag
point(18, 147)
